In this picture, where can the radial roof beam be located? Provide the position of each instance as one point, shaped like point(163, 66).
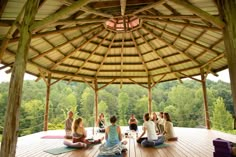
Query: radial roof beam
point(123, 7)
point(204, 15)
point(90, 10)
point(59, 15)
point(74, 51)
point(103, 60)
point(160, 2)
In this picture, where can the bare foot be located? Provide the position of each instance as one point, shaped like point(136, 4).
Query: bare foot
point(124, 142)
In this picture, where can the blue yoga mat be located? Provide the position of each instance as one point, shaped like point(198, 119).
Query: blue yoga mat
point(60, 150)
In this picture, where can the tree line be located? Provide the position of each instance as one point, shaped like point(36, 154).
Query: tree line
point(184, 102)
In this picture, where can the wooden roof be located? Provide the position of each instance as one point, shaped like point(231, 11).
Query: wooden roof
point(118, 41)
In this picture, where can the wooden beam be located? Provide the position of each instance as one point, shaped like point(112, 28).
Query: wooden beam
point(88, 83)
point(3, 6)
point(106, 54)
point(45, 128)
point(47, 33)
point(184, 24)
point(137, 83)
point(139, 53)
point(92, 53)
point(227, 10)
point(7, 65)
point(95, 101)
point(107, 84)
point(184, 39)
point(43, 76)
point(197, 11)
point(74, 51)
point(189, 77)
point(63, 44)
point(11, 124)
point(95, 12)
point(156, 4)
point(58, 80)
point(159, 80)
point(59, 15)
point(79, 21)
point(207, 118)
point(10, 32)
point(179, 17)
point(123, 7)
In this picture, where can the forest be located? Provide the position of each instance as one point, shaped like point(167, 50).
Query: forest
point(184, 102)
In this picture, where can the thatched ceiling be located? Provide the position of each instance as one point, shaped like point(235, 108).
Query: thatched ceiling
point(118, 40)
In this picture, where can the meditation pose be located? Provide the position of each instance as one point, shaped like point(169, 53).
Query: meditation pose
point(101, 123)
point(133, 123)
point(152, 139)
point(79, 133)
point(168, 128)
point(113, 145)
point(160, 123)
point(155, 120)
point(68, 125)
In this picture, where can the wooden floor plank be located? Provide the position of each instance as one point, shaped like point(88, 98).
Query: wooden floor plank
point(192, 142)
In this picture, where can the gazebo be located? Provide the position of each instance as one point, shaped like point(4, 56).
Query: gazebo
point(101, 42)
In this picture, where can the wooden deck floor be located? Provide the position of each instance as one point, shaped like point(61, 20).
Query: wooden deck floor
point(191, 143)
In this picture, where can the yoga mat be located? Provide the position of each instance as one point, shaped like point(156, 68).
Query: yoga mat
point(53, 137)
point(162, 145)
point(60, 150)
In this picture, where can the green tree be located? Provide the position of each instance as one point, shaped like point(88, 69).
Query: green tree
point(123, 101)
point(221, 119)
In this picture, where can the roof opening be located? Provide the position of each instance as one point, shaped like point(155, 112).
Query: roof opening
point(123, 23)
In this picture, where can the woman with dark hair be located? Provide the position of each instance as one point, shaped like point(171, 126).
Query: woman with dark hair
point(152, 139)
point(101, 123)
point(168, 127)
point(133, 123)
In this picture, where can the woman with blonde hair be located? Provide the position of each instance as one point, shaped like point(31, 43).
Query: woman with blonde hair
point(79, 133)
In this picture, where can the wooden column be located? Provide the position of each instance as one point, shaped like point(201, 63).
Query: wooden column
point(11, 126)
point(96, 100)
point(207, 118)
point(45, 128)
point(149, 95)
point(227, 10)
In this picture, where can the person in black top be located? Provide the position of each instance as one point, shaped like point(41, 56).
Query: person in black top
point(133, 123)
point(101, 123)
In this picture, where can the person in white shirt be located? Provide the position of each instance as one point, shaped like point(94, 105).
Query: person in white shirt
point(160, 123)
point(168, 127)
point(152, 139)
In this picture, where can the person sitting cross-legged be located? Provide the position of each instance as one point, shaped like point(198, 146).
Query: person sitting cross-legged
point(152, 139)
point(133, 123)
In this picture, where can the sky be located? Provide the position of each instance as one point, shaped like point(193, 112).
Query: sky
point(223, 76)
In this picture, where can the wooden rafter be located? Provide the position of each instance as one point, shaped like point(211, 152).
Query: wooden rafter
point(139, 53)
point(173, 46)
point(74, 51)
point(183, 24)
point(88, 83)
point(90, 10)
point(158, 80)
point(184, 39)
point(42, 75)
point(123, 7)
point(92, 53)
point(63, 44)
point(59, 15)
point(7, 65)
point(137, 83)
point(181, 73)
point(107, 84)
point(10, 32)
point(3, 6)
point(156, 4)
point(58, 80)
point(179, 17)
point(42, 34)
point(213, 60)
point(104, 58)
point(206, 16)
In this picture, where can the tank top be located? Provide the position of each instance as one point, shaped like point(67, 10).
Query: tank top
point(113, 137)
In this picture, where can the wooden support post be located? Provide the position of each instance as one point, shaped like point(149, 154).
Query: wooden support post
point(149, 95)
point(227, 10)
point(11, 126)
point(48, 84)
point(207, 118)
point(95, 101)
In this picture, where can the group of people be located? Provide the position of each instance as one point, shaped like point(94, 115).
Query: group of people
point(158, 128)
